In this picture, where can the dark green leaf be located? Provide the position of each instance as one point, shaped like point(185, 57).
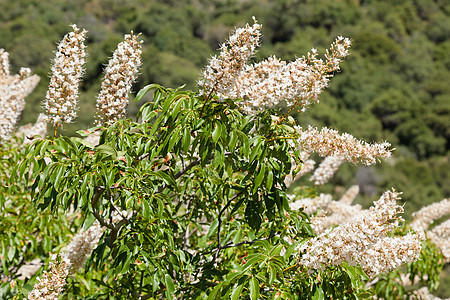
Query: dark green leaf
point(252, 215)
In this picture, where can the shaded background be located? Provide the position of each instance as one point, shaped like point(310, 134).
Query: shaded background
point(394, 86)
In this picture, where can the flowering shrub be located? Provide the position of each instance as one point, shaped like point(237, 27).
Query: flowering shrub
point(189, 201)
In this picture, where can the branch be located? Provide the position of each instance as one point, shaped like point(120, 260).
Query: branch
point(94, 200)
point(179, 174)
point(188, 167)
point(230, 245)
point(118, 211)
point(222, 211)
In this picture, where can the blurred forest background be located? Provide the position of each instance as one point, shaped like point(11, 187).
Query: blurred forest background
point(394, 86)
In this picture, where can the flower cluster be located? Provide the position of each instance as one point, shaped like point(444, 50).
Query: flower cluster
point(326, 211)
point(62, 96)
point(298, 82)
point(51, 283)
point(426, 215)
point(4, 64)
point(389, 253)
point(120, 74)
point(423, 294)
point(328, 142)
point(266, 83)
point(82, 245)
point(311, 205)
point(350, 195)
point(13, 90)
point(220, 74)
point(334, 214)
point(440, 236)
point(363, 241)
point(326, 170)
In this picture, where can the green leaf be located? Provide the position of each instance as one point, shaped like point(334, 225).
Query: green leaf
point(126, 264)
point(219, 158)
point(170, 286)
point(232, 141)
point(259, 178)
point(167, 103)
point(186, 141)
point(318, 295)
point(269, 181)
point(108, 150)
point(59, 176)
point(254, 288)
point(245, 149)
point(275, 251)
point(217, 132)
point(256, 151)
point(144, 91)
point(213, 228)
point(272, 274)
point(26, 288)
point(83, 142)
point(11, 252)
point(177, 107)
point(214, 292)
point(238, 236)
point(174, 138)
point(353, 276)
point(252, 259)
point(145, 209)
point(237, 291)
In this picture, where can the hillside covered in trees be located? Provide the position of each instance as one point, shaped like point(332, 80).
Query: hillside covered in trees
point(393, 87)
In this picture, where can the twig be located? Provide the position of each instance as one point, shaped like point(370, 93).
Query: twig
point(230, 245)
point(219, 241)
point(118, 211)
point(179, 174)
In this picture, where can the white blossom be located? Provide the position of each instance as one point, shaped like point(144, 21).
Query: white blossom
point(81, 246)
point(350, 195)
point(426, 215)
point(328, 142)
point(61, 100)
point(120, 74)
point(363, 241)
point(299, 82)
point(326, 170)
point(51, 283)
point(13, 90)
point(440, 236)
point(220, 74)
